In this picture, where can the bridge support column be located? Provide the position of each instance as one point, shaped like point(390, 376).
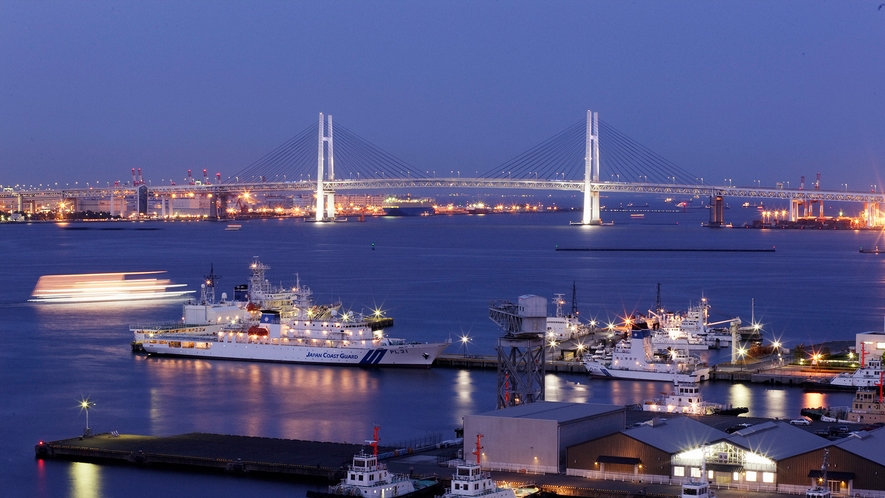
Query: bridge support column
point(19, 206)
point(320, 207)
point(330, 205)
point(717, 211)
point(325, 207)
point(794, 209)
point(213, 205)
point(111, 205)
point(590, 215)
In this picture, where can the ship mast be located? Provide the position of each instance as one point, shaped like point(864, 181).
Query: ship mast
point(374, 442)
point(478, 451)
point(208, 294)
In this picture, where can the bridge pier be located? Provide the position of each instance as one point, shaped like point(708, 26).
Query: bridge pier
point(717, 211)
point(213, 205)
point(794, 209)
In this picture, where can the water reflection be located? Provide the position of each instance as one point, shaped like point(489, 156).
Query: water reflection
point(85, 479)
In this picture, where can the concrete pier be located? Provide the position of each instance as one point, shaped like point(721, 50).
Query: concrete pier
point(199, 451)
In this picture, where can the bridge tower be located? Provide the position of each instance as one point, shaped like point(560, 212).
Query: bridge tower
point(325, 208)
point(520, 350)
point(591, 171)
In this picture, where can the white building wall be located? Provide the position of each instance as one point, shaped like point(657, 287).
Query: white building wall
point(872, 342)
point(513, 444)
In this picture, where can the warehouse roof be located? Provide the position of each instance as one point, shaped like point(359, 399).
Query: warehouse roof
point(560, 412)
point(777, 440)
point(675, 434)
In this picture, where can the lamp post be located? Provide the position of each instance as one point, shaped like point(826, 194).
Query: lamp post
point(84, 405)
point(742, 352)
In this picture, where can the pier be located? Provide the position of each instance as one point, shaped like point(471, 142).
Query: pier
point(490, 362)
point(309, 460)
point(766, 371)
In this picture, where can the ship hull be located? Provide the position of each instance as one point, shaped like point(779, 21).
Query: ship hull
point(601, 371)
point(406, 355)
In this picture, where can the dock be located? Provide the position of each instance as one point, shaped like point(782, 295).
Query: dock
point(490, 362)
point(308, 460)
point(765, 371)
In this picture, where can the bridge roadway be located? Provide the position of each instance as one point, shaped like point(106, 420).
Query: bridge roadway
point(447, 183)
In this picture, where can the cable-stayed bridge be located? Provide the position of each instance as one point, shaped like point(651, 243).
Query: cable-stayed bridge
point(325, 159)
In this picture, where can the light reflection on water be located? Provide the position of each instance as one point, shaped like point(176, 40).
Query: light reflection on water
point(85, 479)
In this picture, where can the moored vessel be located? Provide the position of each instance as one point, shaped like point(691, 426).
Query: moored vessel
point(868, 375)
point(470, 481)
point(366, 477)
point(687, 399)
point(281, 325)
point(634, 359)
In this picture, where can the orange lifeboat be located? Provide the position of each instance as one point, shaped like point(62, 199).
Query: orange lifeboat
point(259, 331)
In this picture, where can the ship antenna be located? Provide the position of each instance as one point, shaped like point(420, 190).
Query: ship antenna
point(478, 451)
point(574, 299)
point(658, 307)
point(209, 289)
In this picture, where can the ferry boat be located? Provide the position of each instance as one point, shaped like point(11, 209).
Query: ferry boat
point(687, 399)
point(635, 360)
point(281, 325)
point(470, 481)
point(105, 287)
point(367, 478)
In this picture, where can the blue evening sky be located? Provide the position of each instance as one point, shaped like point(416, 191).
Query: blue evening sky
point(748, 90)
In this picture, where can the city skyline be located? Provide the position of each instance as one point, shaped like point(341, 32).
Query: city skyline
point(745, 91)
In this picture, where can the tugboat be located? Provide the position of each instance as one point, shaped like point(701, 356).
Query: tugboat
point(369, 479)
point(687, 399)
point(470, 481)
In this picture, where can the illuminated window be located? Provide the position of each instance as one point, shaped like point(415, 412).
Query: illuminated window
point(679, 471)
point(735, 477)
point(768, 477)
point(709, 474)
point(695, 472)
point(751, 476)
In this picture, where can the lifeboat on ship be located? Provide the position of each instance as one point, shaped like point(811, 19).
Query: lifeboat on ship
point(259, 331)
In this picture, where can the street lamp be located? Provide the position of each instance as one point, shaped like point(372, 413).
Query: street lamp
point(84, 405)
point(742, 352)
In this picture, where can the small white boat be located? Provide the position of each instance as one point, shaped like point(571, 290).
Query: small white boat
point(866, 376)
point(368, 478)
point(687, 399)
point(470, 481)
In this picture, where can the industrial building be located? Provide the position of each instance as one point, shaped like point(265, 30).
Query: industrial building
point(533, 437)
point(771, 456)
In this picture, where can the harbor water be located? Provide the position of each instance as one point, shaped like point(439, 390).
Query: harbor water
point(434, 275)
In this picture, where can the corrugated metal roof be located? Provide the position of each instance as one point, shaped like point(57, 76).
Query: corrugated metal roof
point(675, 434)
point(550, 410)
point(866, 444)
point(777, 440)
